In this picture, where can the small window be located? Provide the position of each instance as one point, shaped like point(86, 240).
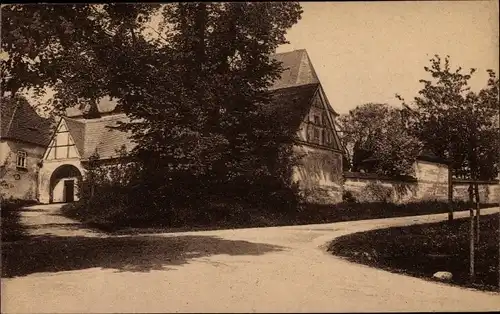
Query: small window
point(317, 120)
point(21, 159)
point(316, 135)
point(325, 118)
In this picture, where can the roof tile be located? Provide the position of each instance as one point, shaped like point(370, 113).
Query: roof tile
point(19, 121)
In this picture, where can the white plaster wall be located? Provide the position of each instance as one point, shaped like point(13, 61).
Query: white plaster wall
point(319, 174)
point(433, 180)
point(16, 182)
point(488, 193)
point(4, 151)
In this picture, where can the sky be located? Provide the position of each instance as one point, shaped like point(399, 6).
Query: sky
point(369, 51)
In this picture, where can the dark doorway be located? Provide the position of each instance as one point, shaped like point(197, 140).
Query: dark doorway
point(69, 191)
point(60, 176)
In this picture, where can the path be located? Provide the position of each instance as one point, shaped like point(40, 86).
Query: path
point(280, 269)
point(47, 220)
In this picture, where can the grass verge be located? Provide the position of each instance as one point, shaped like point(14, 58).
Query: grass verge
point(422, 250)
point(230, 215)
point(12, 229)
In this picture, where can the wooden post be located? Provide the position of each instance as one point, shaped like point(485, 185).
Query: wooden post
point(450, 194)
point(472, 274)
point(498, 129)
point(478, 211)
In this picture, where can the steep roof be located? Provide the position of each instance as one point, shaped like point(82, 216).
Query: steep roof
point(298, 69)
point(428, 155)
point(19, 121)
point(96, 135)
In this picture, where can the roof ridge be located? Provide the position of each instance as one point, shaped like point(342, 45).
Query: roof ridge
point(294, 50)
point(106, 118)
point(293, 86)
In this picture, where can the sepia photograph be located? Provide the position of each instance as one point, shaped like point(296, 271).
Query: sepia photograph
point(250, 157)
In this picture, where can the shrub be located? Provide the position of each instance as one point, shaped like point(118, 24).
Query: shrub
point(378, 192)
point(348, 197)
point(12, 229)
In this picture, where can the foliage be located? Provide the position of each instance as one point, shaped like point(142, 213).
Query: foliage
point(348, 197)
point(218, 212)
point(11, 226)
point(455, 123)
point(422, 250)
point(194, 90)
point(378, 192)
point(211, 127)
point(368, 132)
point(58, 46)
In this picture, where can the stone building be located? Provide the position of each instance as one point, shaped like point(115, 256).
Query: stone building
point(75, 140)
point(300, 93)
point(24, 135)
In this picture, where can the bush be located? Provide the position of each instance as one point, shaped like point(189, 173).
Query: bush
point(12, 229)
point(125, 195)
point(348, 197)
point(379, 192)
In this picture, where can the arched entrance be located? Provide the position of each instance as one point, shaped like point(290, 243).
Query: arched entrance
point(64, 183)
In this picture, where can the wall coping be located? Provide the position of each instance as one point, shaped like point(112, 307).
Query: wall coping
point(374, 176)
point(469, 181)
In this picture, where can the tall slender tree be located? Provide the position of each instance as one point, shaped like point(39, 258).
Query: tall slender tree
point(456, 123)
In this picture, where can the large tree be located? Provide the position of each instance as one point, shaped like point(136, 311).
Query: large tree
point(376, 138)
point(194, 90)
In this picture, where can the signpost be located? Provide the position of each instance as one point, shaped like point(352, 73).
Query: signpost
point(498, 128)
point(472, 239)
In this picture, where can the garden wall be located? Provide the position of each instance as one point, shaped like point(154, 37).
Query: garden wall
point(489, 191)
point(429, 183)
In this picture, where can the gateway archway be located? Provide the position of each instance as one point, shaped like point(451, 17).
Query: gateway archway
point(64, 183)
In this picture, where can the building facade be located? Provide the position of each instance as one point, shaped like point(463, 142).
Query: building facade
point(24, 136)
point(75, 140)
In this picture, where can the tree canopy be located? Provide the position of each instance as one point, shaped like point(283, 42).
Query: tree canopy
point(193, 89)
point(455, 123)
point(377, 139)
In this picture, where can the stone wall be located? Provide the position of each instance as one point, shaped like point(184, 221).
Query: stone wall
point(17, 182)
point(429, 183)
point(489, 191)
point(319, 174)
point(375, 188)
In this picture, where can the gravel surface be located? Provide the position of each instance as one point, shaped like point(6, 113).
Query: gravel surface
point(279, 269)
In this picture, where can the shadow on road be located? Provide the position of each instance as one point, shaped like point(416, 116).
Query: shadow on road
point(134, 254)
